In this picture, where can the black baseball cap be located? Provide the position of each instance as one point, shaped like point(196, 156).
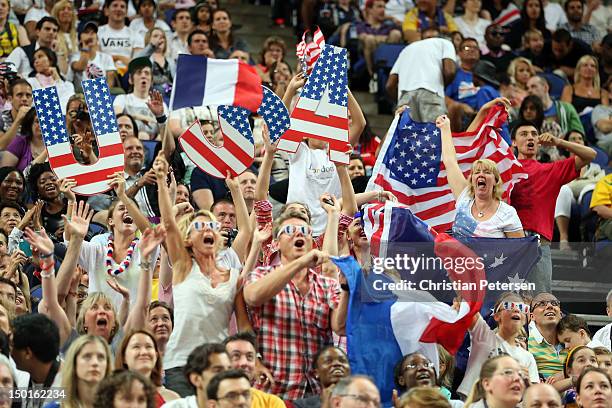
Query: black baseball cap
point(138, 63)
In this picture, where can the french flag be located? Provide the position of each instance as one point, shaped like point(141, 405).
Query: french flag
point(385, 322)
point(202, 81)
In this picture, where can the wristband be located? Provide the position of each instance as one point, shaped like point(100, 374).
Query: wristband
point(145, 265)
point(161, 119)
point(45, 256)
point(47, 273)
point(72, 294)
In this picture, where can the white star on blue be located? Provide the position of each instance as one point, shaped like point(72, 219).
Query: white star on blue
point(275, 114)
point(238, 118)
point(97, 94)
point(414, 154)
point(329, 72)
point(50, 116)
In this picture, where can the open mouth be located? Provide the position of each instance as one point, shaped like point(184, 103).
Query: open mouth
point(549, 314)
point(128, 220)
point(516, 388)
point(339, 371)
point(102, 323)
point(516, 317)
point(50, 188)
point(209, 240)
point(18, 301)
point(530, 145)
point(424, 376)
point(299, 243)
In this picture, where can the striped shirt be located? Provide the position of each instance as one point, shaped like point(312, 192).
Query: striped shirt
point(549, 358)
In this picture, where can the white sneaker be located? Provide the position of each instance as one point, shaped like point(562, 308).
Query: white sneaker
point(374, 84)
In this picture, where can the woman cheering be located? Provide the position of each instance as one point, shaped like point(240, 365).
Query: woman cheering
point(480, 210)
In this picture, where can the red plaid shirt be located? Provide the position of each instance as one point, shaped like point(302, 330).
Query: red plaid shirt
point(291, 328)
point(263, 216)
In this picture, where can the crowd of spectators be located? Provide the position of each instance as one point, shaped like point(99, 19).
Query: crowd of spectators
point(178, 289)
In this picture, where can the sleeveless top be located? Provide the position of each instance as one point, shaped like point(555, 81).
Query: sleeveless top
point(9, 39)
point(581, 103)
point(202, 314)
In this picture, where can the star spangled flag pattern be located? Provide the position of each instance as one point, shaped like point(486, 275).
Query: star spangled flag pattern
point(410, 164)
point(237, 152)
point(321, 111)
point(91, 179)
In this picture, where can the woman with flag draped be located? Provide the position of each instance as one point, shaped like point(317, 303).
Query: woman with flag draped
point(480, 209)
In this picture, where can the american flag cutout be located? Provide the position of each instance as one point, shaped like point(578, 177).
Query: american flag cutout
point(91, 179)
point(410, 164)
point(237, 152)
point(310, 52)
point(321, 111)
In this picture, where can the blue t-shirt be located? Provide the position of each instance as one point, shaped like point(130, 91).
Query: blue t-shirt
point(552, 111)
point(462, 88)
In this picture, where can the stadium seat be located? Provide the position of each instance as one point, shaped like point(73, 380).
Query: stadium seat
point(149, 146)
point(601, 159)
point(556, 84)
point(384, 58)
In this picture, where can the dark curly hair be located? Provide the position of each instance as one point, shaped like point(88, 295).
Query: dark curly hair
point(121, 381)
point(35, 172)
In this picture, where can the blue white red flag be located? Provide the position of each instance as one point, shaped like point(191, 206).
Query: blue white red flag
point(91, 179)
point(410, 164)
point(202, 81)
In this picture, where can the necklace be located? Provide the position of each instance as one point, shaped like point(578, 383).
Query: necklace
point(125, 264)
point(481, 213)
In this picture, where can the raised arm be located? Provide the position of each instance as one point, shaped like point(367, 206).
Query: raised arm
point(179, 256)
point(482, 113)
point(259, 237)
point(118, 183)
point(332, 207)
point(43, 245)
point(265, 288)
point(243, 237)
point(456, 180)
point(583, 155)
point(296, 83)
point(358, 121)
point(265, 169)
point(150, 241)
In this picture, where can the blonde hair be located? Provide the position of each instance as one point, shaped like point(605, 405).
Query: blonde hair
point(446, 379)
point(92, 299)
point(423, 397)
point(185, 222)
point(69, 372)
point(62, 44)
point(529, 34)
point(149, 33)
point(582, 61)
point(513, 67)
point(490, 165)
point(486, 372)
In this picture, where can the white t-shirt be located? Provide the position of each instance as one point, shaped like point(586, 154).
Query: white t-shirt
point(484, 343)
point(398, 8)
point(131, 104)
point(93, 259)
point(476, 31)
point(311, 174)
point(554, 16)
point(140, 30)
point(35, 14)
point(504, 220)
point(603, 336)
point(187, 402)
point(118, 42)
point(419, 65)
point(96, 68)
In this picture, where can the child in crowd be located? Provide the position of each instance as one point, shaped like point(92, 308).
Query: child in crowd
point(573, 331)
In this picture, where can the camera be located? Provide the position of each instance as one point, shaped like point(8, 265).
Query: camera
point(231, 236)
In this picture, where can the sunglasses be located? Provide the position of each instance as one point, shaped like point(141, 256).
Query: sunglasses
point(200, 225)
point(498, 33)
point(544, 303)
point(293, 229)
point(521, 307)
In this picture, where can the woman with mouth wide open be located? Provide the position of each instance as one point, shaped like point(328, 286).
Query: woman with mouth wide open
point(204, 286)
point(480, 210)
point(98, 315)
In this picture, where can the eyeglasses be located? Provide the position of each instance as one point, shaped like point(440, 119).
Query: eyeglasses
point(498, 33)
point(544, 303)
point(235, 396)
point(200, 225)
point(362, 400)
point(428, 364)
point(293, 229)
point(521, 307)
point(510, 373)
